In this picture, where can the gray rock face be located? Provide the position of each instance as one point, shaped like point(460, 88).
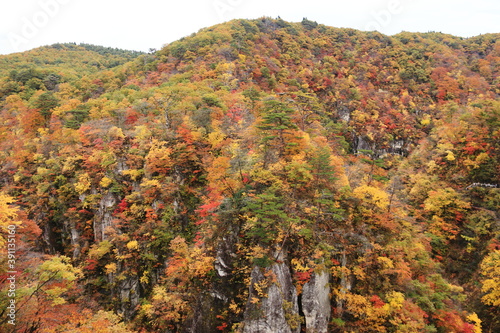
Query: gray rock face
point(128, 294)
point(75, 238)
point(103, 216)
point(276, 310)
point(316, 303)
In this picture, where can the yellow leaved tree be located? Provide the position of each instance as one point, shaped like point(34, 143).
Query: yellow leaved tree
point(8, 218)
point(490, 269)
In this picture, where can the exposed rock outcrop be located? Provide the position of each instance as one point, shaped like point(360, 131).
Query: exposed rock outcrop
point(272, 305)
point(103, 216)
point(316, 303)
point(128, 294)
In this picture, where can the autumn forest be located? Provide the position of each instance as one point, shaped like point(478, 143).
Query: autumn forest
point(256, 176)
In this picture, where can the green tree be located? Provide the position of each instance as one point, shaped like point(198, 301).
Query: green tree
point(267, 213)
point(277, 124)
point(45, 103)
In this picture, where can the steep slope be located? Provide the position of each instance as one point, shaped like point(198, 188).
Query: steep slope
point(261, 176)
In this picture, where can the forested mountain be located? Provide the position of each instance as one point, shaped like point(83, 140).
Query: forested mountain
point(257, 176)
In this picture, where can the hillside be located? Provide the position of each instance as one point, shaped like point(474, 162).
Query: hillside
point(256, 176)
point(82, 58)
